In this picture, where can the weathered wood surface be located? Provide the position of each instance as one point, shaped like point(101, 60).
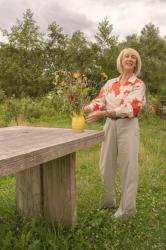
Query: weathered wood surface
point(49, 188)
point(48, 191)
point(25, 147)
point(59, 190)
point(29, 192)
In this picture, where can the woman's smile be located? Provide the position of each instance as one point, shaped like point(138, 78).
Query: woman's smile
point(129, 61)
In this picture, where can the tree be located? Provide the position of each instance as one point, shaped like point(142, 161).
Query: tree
point(79, 54)
point(56, 48)
point(21, 62)
point(132, 41)
point(104, 36)
point(25, 34)
point(108, 45)
point(153, 51)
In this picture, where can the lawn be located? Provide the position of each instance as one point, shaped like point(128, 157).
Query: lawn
point(97, 229)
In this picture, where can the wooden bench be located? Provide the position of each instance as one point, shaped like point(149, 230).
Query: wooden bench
point(44, 161)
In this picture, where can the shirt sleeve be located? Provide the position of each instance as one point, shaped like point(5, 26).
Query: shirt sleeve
point(132, 102)
point(99, 102)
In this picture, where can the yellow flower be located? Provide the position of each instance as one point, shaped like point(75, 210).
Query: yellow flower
point(76, 75)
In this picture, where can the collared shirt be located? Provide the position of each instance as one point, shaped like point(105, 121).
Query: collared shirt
point(125, 99)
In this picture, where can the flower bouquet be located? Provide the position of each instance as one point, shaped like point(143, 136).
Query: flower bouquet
point(75, 95)
point(78, 95)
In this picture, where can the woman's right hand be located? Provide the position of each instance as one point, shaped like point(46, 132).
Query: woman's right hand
point(95, 116)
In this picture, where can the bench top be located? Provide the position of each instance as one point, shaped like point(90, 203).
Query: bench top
point(25, 147)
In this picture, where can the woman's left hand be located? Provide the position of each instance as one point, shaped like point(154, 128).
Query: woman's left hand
point(95, 116)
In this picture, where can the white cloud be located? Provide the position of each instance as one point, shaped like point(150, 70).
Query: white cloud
point(127, 16)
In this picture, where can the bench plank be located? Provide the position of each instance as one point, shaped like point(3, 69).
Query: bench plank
point(25, 147)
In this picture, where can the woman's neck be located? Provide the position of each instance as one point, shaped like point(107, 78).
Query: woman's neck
point(125, 77)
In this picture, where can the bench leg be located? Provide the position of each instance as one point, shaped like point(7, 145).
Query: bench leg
point(28, 192)
point(48, 191)
point(59, 190)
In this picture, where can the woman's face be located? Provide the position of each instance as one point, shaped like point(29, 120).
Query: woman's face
point(129, 61)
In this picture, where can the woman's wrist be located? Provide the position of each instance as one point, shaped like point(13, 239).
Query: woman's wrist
point(106, 113)
point(110, 114)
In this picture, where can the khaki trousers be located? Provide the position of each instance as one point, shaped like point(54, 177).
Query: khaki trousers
point(121, 143)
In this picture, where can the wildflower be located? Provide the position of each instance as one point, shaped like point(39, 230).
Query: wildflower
point(72, 97)
point(76, 75)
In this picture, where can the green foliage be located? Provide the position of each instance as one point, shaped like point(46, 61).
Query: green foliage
point(25, 34)
point(2, 95)
point(18, 111)
point(29, 59)
point(55, 49)
point(79, 54)
point(153, 51)
point(107, 48)
point(22, 61)
point(5, 117)
point(104, 37)
point(13, 109)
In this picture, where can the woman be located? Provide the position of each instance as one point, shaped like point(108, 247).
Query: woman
point(120, 101)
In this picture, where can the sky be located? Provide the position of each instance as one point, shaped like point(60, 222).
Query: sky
point(126, 16)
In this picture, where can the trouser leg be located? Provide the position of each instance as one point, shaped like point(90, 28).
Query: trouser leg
point(108, 159)
point(128, 148)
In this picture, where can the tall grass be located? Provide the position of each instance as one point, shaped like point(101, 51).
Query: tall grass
point(96, 229)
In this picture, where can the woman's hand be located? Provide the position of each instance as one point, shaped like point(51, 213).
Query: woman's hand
point(95, 116)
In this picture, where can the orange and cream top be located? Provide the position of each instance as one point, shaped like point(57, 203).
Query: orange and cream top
point(125, 99)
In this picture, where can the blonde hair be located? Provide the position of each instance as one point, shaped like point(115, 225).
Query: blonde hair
point(137, 68)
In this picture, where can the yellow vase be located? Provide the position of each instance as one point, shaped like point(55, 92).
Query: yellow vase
point(78, 123)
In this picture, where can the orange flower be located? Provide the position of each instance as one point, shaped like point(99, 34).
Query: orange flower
point(135, 105)
point(127, 92)
point(116, 89)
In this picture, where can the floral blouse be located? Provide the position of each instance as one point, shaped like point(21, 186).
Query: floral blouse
point(125, 99)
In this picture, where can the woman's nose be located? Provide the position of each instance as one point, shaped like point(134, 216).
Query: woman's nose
point(130, 58)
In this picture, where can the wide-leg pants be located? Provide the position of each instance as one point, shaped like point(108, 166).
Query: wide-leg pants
point(121, 143)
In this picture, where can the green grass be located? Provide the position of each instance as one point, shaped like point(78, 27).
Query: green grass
point(96, 229)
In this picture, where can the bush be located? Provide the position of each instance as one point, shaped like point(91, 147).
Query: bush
point(2, 96)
